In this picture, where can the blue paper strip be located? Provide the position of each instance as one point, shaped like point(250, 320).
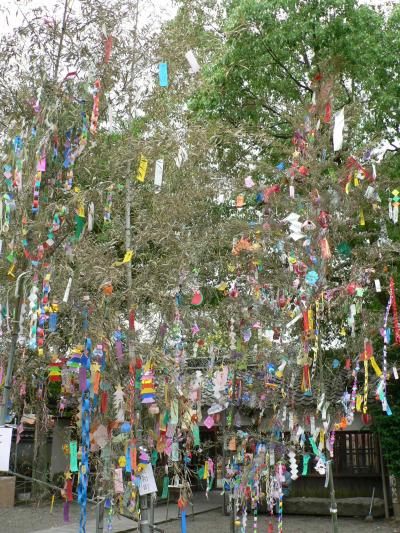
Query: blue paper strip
point(183, 522)
point(163, 71)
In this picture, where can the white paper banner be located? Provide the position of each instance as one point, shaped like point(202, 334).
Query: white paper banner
point(195, 67)
point(5, 448)
point(338, 130)
point(147, 481)
point(158, 176)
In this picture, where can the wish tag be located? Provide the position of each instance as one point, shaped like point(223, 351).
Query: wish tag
point(194, 65)
point(158, 176)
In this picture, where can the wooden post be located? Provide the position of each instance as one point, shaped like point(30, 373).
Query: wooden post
point(384, 486)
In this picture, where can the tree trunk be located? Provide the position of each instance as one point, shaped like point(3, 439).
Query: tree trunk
point(40, 467)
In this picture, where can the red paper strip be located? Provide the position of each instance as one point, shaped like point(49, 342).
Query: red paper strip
point(104, 400)
point(394, 311)
point(107, 49)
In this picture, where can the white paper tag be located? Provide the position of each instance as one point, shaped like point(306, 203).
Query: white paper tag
point(67, 290)
point(378, 287)
point(271, 457)
point(338, 130)
point(396, 375)
point(158, 176)
point(312, 425)
point(147, 481)
point(194, 65)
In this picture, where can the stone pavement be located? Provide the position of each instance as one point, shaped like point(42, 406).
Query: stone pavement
point(208, 519)
point(214, 522)
point(121, 524)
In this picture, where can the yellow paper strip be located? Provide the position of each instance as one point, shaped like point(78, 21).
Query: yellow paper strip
point(375, 366)
point(127, 257)
point(142, 169)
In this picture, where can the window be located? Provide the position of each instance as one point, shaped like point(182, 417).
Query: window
point(356, 453)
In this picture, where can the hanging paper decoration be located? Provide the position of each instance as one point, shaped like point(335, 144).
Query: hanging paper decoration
point(108, 207)
point(158, 176)
point(107, 49)
point(163, 74)
point(36, 192)
point(338, 130)
point(90, 217)
point(394, 203)
point(80, 221)
point(95, 111)
point(147, 390)
point(197, 298)
point(141, 174)
point(194, 65)
point(119, 404)
point(119, 347)
point(127, 259)
point(394, 311)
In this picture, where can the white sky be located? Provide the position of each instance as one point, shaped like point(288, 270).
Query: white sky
point(15, 9)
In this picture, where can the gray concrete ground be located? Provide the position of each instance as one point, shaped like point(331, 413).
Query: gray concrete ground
point(30, 519)
point(214, 522)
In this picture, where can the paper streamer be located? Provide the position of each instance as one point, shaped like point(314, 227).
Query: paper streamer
point(183, 522)
point(90, 216)
point(163, 73)
point(67, 290)
point(66, 512)
point(165, 490)
point(338, 130)
point(127, 258)
point(141, 174)
point(196, 435)
point(73, 456)
point(194, 65)
point(158, 176)
point(306, 460)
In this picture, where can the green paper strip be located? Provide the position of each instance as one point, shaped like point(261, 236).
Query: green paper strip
point(79, 225)
point(165, 489)
point(196, 434)
point(73, 456)
point(314, 446)
point(306, 459)
point(154, 457)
